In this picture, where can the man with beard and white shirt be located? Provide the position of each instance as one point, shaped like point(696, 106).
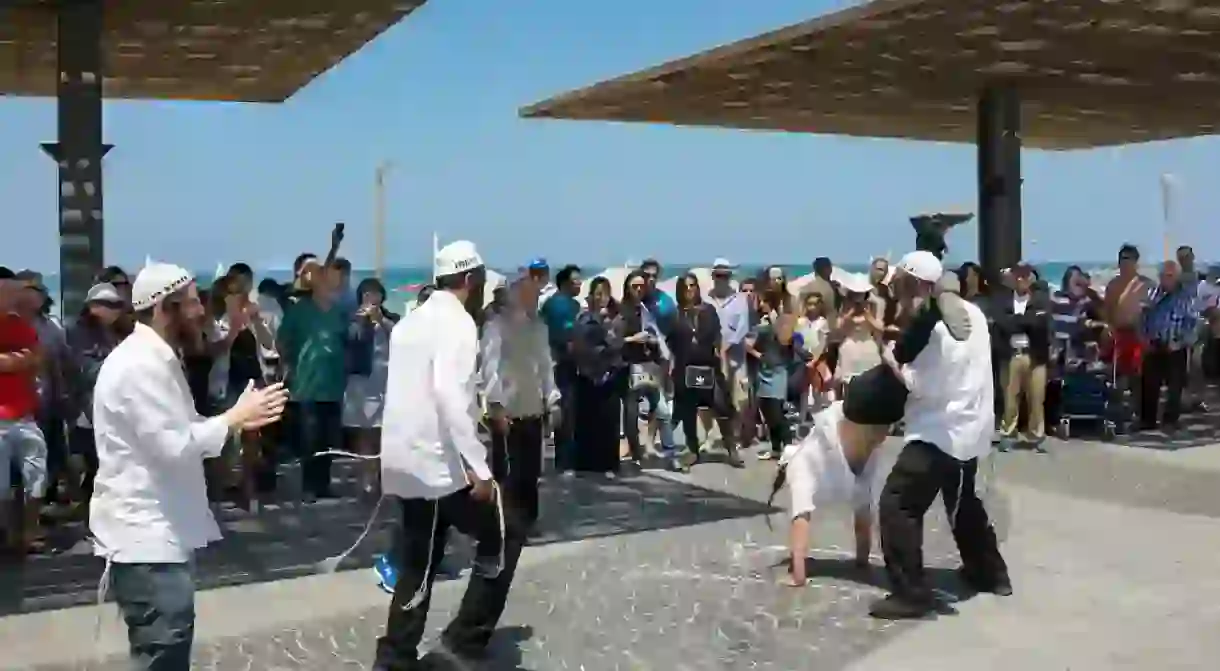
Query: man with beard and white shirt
point(433, 462)
point(518, 382)
point(950, 416)
point(149, 511)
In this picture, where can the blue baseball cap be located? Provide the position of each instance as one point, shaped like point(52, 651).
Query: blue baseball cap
point(538, 264)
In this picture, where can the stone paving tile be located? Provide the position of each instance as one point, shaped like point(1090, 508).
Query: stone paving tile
point(1086, 470)
point(704, 597)
point(288, 541)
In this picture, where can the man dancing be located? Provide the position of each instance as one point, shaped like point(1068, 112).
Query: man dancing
point(149, 512)
point(432, 460)
point(950, 417)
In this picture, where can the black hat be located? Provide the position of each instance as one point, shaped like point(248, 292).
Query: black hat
point(876, 397)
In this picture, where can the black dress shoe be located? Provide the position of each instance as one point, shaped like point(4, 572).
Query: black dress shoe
point(1001, 587)
point(894, 607)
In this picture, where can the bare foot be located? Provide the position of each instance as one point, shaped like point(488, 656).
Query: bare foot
point(862, 563)
point(792, 580)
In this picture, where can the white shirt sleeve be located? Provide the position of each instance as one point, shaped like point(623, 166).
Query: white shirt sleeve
point(489, 378)
point(921, 374)
point(169, 431)
point(454, 377)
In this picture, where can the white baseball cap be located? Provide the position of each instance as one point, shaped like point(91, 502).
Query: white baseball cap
point(723, 264)
point(103, 293)
point(155, 282)
point(457, 257)
point(922, 265)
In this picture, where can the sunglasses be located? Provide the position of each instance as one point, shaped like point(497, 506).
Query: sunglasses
point(637, 285)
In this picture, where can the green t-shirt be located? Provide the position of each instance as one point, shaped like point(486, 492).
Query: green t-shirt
point(312, 342)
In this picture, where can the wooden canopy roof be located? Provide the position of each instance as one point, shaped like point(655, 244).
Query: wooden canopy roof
point(1089, 72)
point(247, 50)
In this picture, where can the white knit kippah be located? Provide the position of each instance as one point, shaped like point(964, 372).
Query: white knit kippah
point(156, 281)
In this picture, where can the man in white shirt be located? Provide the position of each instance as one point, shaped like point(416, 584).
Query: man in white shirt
point(432, 460)
point(149, 511)
point(950, 416)
point(518, 381)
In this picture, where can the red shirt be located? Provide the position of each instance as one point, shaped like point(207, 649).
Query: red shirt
point(18, 391)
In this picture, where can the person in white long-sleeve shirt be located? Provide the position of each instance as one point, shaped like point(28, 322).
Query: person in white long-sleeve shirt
point(518, 381)
point(433, 462)
point(950, 416)
point(149, 511)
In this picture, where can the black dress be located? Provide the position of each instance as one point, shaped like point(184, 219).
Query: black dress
point(601, 383)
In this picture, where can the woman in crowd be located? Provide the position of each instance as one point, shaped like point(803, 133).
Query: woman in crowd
point(368, 351)
point(698, 370)
point(777, 355)
point(974, 286)
point(601, 384)
point(775, 293)
point(859, 331)
point(101, 326)
point(645, 356)
point(813, 332)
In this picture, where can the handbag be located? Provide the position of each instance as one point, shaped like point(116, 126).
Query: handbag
point(700, 377)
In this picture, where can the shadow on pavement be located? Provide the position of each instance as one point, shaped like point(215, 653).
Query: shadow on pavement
point(286, 541)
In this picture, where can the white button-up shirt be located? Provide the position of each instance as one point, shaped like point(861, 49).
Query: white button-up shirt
point(517, 372)
point(150, 502)
point(951, 404)
point(429, 434)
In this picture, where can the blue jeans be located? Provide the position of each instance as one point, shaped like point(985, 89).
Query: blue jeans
point(660, 407)
point(158, 605)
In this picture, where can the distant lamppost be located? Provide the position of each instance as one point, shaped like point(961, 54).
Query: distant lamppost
point(379, 210)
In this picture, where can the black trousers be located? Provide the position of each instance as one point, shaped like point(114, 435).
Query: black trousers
point(516, 463)
point(1162, 366)
point(687, 403)
point(599, 409)
point(316, 426)
point(777, 422)
point(421, 540)
point(921, 472)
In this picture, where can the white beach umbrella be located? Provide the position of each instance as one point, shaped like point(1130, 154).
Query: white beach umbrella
point(704, 275)
point(796, 286)
point(617, 275)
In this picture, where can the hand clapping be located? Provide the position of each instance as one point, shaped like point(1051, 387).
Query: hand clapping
point(257, 408)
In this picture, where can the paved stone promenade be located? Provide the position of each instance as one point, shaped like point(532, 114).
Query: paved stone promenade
point(1113, 553)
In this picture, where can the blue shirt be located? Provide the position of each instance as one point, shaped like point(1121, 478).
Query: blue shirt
point(776, 364)
point(663, 308)
point(1171, 317)
point(559, 312)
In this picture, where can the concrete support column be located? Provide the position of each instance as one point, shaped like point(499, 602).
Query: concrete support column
point(999, 177)
point(79, 149)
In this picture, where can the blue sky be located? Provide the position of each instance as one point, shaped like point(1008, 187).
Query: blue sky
point(201, 183)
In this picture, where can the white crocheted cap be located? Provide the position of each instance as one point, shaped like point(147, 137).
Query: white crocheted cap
point(156, 281)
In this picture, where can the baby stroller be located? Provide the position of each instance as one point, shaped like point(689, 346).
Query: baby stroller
point(1090, 393)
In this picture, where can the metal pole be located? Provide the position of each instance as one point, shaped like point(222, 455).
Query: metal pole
point(379, 218)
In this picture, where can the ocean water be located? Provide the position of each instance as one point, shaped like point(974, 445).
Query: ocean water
point(404, 282)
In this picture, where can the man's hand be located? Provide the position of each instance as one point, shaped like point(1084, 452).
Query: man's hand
point(257, 408)
point(483, 491)
point(336, 236)
point(499, 419)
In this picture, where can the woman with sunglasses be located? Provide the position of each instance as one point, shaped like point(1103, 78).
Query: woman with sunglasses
point(102, 324)
point(646, 356)
point(698, 372)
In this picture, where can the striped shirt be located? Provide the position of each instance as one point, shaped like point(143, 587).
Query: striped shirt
point(1068, 314)
point(1171, 317)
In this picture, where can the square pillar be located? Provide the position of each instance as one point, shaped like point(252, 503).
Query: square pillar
point(79, 149)
point(999, 179)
